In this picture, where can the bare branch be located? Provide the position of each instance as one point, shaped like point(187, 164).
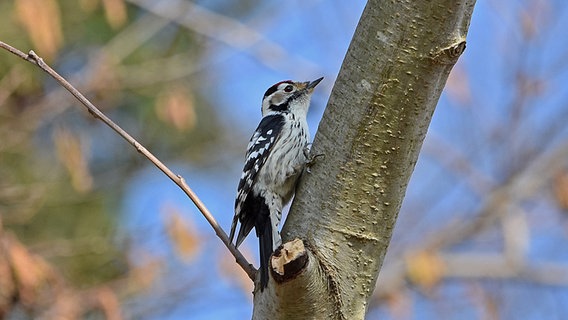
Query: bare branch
point(32, 57)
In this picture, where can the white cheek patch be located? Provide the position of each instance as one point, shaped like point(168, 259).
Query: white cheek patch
point(277, 98)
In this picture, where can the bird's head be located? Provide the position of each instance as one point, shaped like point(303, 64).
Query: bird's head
point(288, 95)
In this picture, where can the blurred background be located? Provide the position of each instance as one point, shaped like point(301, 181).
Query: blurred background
point(90, 229)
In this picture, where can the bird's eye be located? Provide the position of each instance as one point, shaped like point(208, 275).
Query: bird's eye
point(289, 88)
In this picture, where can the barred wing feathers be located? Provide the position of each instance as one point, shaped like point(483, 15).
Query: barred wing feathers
point(258, 150)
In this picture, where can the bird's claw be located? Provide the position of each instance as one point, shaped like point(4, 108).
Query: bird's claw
point(311, 159)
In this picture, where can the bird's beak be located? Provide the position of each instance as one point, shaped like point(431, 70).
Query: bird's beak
point(311, 85)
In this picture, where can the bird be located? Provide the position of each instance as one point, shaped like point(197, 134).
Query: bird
point(276, 156)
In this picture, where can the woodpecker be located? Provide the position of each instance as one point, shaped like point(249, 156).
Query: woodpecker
point(276, 156)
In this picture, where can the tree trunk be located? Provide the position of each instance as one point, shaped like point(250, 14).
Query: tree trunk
point(371, 132)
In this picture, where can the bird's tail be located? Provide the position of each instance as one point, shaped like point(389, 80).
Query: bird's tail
point(265, 246)
point(233, 228)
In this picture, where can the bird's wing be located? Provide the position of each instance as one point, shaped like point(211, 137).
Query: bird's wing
point(258, 150)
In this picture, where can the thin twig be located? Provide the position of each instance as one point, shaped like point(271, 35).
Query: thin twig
point(32, 57)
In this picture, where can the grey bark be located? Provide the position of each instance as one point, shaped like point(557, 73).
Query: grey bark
point(371, 134)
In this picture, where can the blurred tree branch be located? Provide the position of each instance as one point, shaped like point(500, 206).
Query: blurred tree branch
point(495, 207)
point(228, 31)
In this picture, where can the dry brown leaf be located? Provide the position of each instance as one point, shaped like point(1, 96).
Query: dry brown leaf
point(31, 272)
point(70, 153)
point(561, 189)
point(115, 12)
point(457, 86)
point(400, 305)
point(67, 306)
point(528, 26)
point(109, 304)
point(7, 285)
point(42, 22)
point(182, 233)
point(425, 269)
point(534, 17)
point(143, 276)
point(175, 106)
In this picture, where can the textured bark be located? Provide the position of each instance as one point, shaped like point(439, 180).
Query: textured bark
point(371, 134)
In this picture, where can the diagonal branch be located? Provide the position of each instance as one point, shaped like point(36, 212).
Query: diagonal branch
point(32, 57)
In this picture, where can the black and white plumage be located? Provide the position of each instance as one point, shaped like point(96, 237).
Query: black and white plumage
point(275, 159)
